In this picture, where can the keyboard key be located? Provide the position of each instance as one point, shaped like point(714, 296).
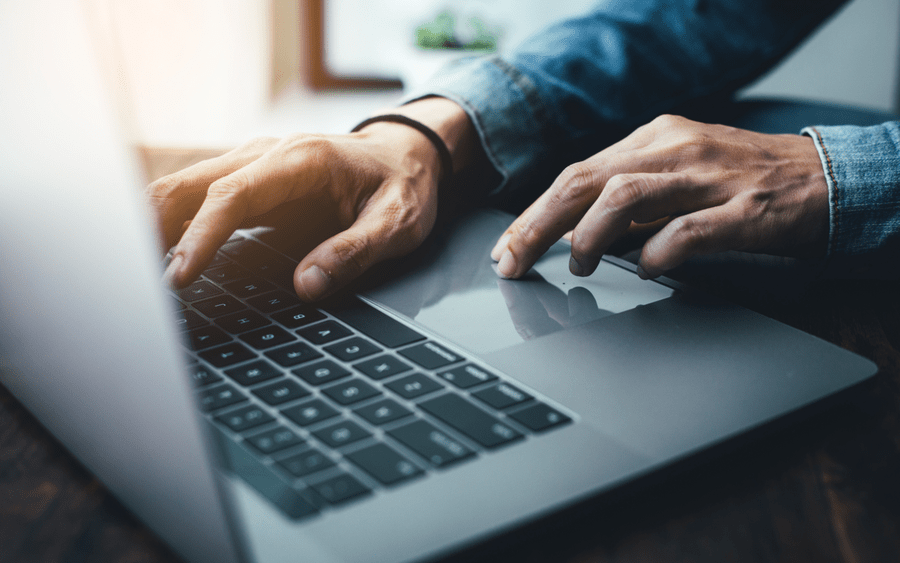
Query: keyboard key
point(375, 324)
point(340, 434)
point(259, 258)
point(431, 443)
point(430, 355)
point(502, 396)
point(198, 290)
point(539, 417)
point(281, 392)
point(384, 464)
point(310, 412)
point(352, 391)
point(381, 367)
point(205, 337)
point(298, 316)
point(226, 273)
point(248, 288)
point(202, 376)
point(321, 372)
point(267, 337)
point(341, 488)
point(227, 355)
point(414, 386)
point(462, 415)
point(294, 502)
point(219, 306)
point(306, 463)
point(467, 375)
point(218, 260)
point(219, 397)
point(324, 332)
point(352, 349)
point(187, 320)
point(383, 411)
point(274, 440)
point(254, 372)
point(293, 354)
point(243, 321)
point(244, 418)
point(273, 301)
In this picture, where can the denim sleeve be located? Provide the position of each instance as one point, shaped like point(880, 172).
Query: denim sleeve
point(586, 82)
point(862, 169)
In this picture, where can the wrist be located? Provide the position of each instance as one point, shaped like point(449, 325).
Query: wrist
point(451, 123)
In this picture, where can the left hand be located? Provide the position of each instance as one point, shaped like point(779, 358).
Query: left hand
point(723, 188)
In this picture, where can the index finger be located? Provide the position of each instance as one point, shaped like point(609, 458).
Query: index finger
point(552, 215)
point(176, 197)
point(253, 190)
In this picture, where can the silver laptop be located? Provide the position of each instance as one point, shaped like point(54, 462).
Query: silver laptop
point(438, 408)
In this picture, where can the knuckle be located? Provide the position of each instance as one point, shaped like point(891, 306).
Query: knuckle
point(306, 143)
point(528, 234)
point(625, 191)
point(164, 187)
point(353, 251)
point(690, 232)
point(667, 121)
point(230, 190)
point(261, 143)
point(574, 179)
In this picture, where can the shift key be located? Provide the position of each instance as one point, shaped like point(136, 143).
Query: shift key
point(462, 415)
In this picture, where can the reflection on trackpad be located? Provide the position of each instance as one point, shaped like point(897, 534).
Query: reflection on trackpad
point(500, 313)
point(452, 288)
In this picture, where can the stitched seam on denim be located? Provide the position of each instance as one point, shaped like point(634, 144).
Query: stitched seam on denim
point(489, 148)
point(834, 192)
point(529, 90)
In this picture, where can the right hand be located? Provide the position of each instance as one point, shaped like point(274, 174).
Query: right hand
point(356, 200)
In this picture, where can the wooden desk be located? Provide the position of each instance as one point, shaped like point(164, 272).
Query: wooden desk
point(823, 489)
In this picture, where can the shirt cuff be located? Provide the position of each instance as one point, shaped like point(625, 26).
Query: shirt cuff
point(862, 169)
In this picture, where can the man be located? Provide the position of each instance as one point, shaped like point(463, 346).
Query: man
point(513, 123)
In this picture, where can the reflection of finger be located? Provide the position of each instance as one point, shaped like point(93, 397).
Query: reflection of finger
point(382, 232)
point(706, 231)
point(526, 309)
point(626, 198)
point(581, 303)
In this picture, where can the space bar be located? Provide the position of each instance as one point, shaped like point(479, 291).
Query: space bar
point(374, 324)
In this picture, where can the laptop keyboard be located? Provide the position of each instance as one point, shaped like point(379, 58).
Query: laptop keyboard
point(318, 407)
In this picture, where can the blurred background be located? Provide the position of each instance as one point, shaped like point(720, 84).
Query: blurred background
point(214, 73)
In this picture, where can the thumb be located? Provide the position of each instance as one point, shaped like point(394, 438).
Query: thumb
point(342, 258)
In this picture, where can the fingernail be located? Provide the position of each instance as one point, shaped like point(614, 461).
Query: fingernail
point(575, 267)
point(507, 265)
point(497, 252)
point(170, 276)
point(642, 273)
point(314, 282)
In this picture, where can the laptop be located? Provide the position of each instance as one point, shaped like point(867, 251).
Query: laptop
point(437, 408)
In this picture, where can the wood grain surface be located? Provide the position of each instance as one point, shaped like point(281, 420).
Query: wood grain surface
point(825, 488)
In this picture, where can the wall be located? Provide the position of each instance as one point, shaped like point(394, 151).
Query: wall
point(853, 59)
point(215, 72)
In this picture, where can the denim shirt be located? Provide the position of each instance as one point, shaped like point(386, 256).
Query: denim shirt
point(586, 82)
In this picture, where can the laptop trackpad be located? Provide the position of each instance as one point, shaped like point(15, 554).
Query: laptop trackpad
point(678, 374)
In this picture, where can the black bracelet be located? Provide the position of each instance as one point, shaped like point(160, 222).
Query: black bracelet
point(441, 147)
